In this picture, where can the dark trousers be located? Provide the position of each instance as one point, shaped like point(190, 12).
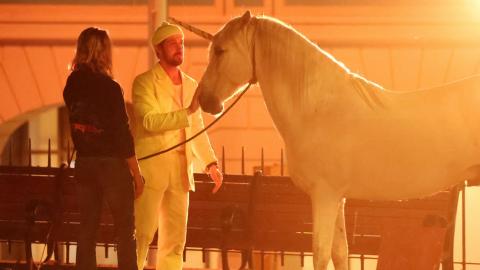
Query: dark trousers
point(108, 179)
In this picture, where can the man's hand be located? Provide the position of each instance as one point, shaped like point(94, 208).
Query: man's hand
point(139, 185)
point(216, 176)
point(194, 105)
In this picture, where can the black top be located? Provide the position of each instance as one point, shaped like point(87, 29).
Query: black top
point(98, 119)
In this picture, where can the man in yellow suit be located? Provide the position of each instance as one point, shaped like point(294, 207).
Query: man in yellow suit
point(163, 120)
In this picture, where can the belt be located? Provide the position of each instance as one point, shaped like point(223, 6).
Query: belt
point(86, 128)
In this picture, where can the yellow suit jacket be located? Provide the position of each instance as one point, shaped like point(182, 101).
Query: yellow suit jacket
point(158, 125)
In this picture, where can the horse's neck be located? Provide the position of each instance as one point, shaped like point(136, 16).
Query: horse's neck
point(295, 77)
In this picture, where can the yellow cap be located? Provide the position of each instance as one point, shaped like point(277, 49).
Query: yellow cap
point(164, 31)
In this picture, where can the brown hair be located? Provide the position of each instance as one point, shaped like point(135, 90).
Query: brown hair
point(94, 51)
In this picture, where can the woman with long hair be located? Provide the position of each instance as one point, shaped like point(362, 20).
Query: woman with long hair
point(106, 167)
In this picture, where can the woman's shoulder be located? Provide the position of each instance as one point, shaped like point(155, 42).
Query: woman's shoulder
point(102, 80)
point(80, 75)
point(112, 86)
point(74, 74)
point(92, 81)
point(74, 79)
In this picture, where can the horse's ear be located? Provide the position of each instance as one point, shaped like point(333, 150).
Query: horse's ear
point(246, 16)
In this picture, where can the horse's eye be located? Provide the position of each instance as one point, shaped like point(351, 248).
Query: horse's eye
point(218, 51)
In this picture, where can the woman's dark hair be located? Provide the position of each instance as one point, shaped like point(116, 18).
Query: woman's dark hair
point(94, 51)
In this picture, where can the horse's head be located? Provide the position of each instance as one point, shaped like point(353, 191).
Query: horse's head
point(230, 64)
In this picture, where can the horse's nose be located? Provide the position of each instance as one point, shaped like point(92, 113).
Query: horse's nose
point(201, 100)
point(209, 103)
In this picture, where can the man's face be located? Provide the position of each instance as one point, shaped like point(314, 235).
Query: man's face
point(170, 51)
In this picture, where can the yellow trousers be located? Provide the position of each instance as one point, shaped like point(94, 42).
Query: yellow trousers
point(163, 205)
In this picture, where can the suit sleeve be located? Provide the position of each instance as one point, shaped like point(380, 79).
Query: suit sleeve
point(147, 109)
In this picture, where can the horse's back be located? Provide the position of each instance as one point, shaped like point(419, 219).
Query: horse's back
point(420, 142)
point(467, 88)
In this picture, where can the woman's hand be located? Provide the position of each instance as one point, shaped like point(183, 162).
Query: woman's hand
point(138, 180)
point(139, 185)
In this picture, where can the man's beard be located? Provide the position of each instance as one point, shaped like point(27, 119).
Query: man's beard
point(176, 60)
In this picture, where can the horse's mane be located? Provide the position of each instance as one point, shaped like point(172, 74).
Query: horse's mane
point(299, 55)
point(275, 27)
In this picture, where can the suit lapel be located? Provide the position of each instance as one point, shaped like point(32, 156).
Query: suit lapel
point(167, 84)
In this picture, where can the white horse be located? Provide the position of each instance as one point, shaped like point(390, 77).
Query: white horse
point(345, 136)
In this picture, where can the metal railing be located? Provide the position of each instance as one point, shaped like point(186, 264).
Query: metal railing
point(262, 166)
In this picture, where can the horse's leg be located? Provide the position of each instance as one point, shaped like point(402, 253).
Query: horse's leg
point(340, 247)
point(325, 205)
